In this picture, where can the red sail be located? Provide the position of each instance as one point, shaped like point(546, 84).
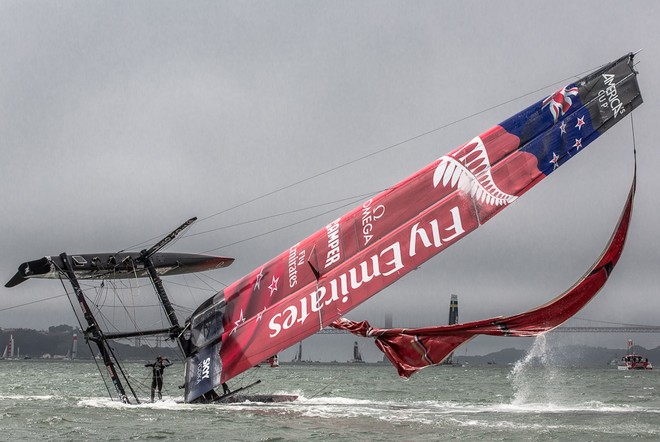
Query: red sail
point(411, 350)
point(323, 277)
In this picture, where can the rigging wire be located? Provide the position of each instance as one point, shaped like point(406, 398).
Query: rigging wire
point(108, 324)
point(279, 228)
point(143, 385)
point(392, 146)
point(352, 199)
point(160, 237)
point(130, 316)
point(623, 324)
point(190, 292)
point(190, 286)
point(632, 127)
point(110, 348)
point(263, 218)
point(247, 377)
point(323, 389)
point(31, 302)
point(81, 328)
point(356, 160)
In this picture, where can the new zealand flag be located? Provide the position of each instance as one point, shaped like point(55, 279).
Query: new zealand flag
point(560, 126)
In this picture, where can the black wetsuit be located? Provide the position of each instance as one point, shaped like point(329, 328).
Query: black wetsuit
point(157, 379)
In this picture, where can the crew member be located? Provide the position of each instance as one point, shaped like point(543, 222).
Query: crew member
point(157, 378)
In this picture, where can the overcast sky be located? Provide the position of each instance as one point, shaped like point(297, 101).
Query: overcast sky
point(120, 120)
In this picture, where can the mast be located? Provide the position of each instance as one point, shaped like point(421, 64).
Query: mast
point(74, 347)
point(357, 356)
point(453, 319)
point(93, 331)
point(175, 330)
point(10, 353)
point(453, 310)
point(145, 257)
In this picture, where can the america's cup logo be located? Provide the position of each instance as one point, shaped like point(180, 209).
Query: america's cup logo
point(468, 169)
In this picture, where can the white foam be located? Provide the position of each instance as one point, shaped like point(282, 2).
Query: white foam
point(28, 397)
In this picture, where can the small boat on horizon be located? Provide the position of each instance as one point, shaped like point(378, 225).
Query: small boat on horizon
point(633, 361)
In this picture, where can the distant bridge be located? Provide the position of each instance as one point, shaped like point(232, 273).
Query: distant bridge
point(614, 327)
point(625, 329)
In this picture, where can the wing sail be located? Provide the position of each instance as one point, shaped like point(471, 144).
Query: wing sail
point(410, 350)
point(319, 279)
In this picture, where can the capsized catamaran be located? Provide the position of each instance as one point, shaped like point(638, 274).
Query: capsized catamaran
point(321, 278)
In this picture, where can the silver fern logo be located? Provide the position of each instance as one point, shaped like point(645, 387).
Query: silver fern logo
point(470, 172)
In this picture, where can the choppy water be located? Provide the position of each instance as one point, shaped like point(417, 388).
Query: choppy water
point(533, 400)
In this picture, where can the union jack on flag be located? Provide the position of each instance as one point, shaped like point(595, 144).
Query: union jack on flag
point(560, 101)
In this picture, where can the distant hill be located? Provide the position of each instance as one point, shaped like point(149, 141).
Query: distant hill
point(57, 342)
point(571, 356)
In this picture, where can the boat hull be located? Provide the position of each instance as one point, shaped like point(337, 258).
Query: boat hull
point(118, 265)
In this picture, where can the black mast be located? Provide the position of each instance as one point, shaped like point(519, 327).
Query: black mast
point(93, 331)
point(175, 332)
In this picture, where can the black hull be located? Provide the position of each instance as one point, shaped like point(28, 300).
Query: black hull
point(118, 265)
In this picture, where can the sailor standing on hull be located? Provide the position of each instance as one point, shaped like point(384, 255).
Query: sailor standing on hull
point(157, 379)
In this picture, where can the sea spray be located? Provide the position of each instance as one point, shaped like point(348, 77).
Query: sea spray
point(534, 378)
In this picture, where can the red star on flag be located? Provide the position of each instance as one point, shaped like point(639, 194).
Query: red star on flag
point(580, 122)
point(555, 161)
point(578, 143)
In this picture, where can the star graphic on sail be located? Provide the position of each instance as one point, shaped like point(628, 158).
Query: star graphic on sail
point(580, 122)
point(562, 128)
point(257, 283)
point(273, 285)
point(238, 322)
point(560, 102)
point(578, 143)
point(260, 315)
